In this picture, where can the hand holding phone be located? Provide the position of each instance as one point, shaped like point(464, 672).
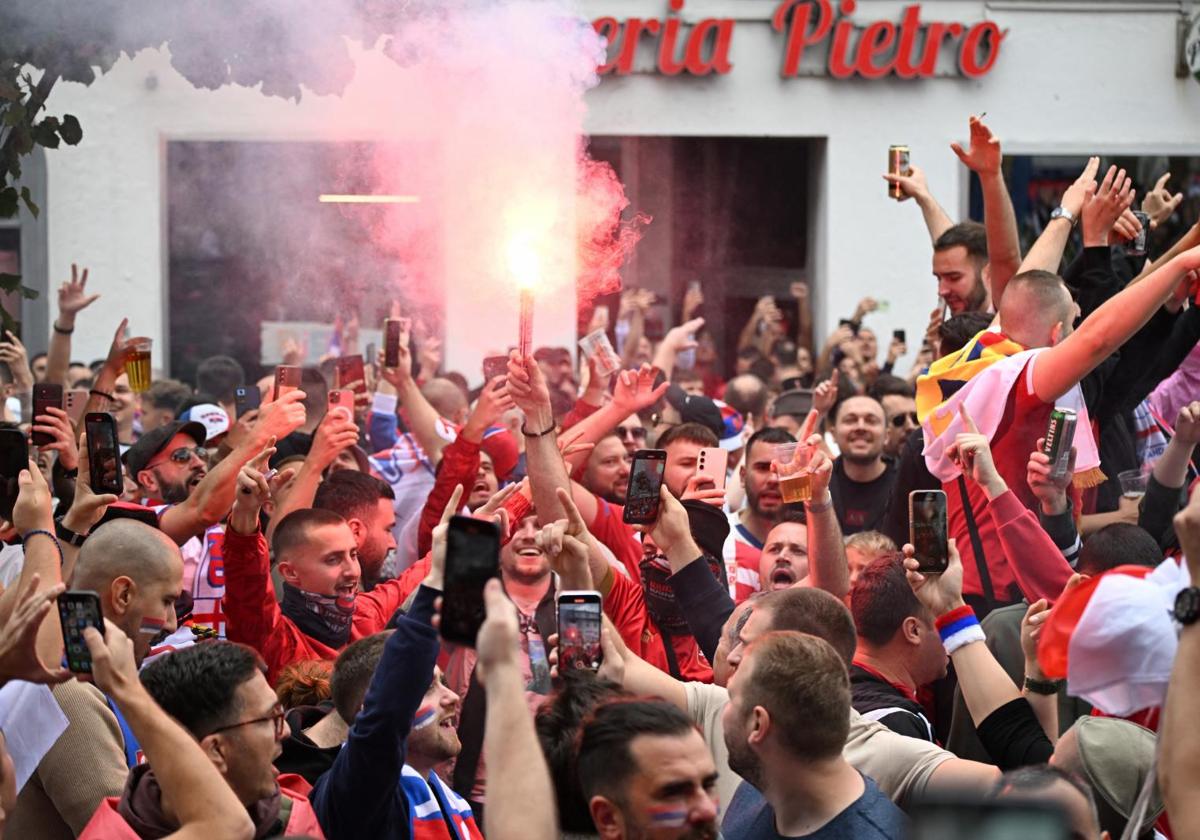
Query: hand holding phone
point(342, 398)
point(927, 530)
point(78, 609)
point(472, 559)
point(45, 396)
point(104, 454)
point(579, 630)
point(713, 463)
point(287, 379)
point(246, 398)
point(645, 480)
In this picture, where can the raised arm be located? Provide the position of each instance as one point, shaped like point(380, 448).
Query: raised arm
point(337, 431)
point(828, 567)
point(1004, 246)
point(804, 319)
point(1046, 253)
point(72, 299)
point(422, 417)
point(203, 801)
point(914, 186)
point(677, 340)
point(520, 795)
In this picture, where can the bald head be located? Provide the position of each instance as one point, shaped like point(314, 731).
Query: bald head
point(446, 398)
point(1036, 310)
point(126, 548)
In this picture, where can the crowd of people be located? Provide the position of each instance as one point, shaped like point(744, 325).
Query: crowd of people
point(269, 657)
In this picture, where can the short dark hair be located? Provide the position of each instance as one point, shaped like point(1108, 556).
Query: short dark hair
point(956, 331)
point(220, 376)
point(803, 684)
point(167, 394)
point(762, 368)
point(1036, 778)
point(352, 673)
point(970, 235)
point(812, 611)
point(198, 685)
point(316, 391)
point(881, 599)
point(605, 756)
point(352, 494)
point(837, 406)
point(690, 432)
point(1118, 544)
point(293, 529)
point(771, 435)
point(887, 385)
point(558, 722)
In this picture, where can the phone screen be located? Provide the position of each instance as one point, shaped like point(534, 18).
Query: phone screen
point(14, 457)
point(45, 396)
point(899, 336)
point(645, 479)
point(391, 343)
point(77, 610)
point(247, 398)
point(472, 558)
point(104, 454)
point(579, 631)
point(927, 530)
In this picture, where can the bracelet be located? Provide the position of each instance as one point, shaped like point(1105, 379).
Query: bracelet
point(525, 431)
point(67, 535)
point(42, 532)
point(60, 330)
point(98, 393)
point(1044, 687)
point(959, 627)
point(819, 507)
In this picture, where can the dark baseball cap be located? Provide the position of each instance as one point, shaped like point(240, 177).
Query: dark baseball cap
point(154, 442)
point(694, 409)
point(796, 403)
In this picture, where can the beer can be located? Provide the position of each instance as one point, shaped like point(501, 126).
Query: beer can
point(1137, 245)
point(897, 165)
point(1060, 433)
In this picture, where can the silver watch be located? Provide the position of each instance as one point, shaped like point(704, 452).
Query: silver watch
point(1061, 212)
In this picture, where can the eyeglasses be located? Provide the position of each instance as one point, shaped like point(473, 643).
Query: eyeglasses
point(899, 419)
point(182, 455)
point(634, 432)
point(277, 716)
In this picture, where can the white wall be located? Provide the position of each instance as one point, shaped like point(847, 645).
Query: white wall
point(1090, 79)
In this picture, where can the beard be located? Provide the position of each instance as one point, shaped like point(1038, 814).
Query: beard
point(742, 759)
point(174, 493)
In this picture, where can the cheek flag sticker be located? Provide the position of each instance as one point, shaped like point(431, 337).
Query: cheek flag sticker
point(424, 716)
point(152, 626)
point(668, 817)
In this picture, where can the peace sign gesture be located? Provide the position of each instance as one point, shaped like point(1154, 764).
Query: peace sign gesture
point(73, 297)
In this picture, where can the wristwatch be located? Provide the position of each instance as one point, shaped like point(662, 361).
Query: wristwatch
point(1187, 606)
point(67, 535)
point(1061, 212)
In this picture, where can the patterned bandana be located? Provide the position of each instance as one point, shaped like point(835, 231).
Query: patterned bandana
point(326, 618)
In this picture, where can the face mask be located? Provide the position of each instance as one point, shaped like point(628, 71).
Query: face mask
point(325, 618)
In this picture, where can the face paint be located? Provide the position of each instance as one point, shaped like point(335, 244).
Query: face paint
point(152, 626)
point(664, 816)
point(425, 716)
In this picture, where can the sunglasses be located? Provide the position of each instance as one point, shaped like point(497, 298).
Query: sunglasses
point(899, 419)
point(183, 454)
point(634, 432)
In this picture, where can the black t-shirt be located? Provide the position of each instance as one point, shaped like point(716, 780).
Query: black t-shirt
point(861, 506)
point(876, 699)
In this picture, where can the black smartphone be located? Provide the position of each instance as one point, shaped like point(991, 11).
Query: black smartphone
point(898, 335)
point(645, 479)
point(287, 379)
point(472, 559)
point(579, 631)
point(104, 453)
point(494, 366)
point(853, 325)
point(391, 343)
point(14, 457)
point(927, 530)
point(78, 609)
point(246, 398)
point(45, 395)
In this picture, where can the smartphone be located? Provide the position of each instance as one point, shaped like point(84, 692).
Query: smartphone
point(287, 379)
point(45, 395)
point(391, 343)
point(853, 325)
point(74, 403)
point(472, 559)
point(342, 398)
point(78, 609)
point(104, 453)
point(494, 366)
point(350, 372)
point(898, 335)
point(579, 630)
point(14, 457)
point(645, 479)
point(713, 462)
point(247, 398)
point(942, 818)
point(927, 530)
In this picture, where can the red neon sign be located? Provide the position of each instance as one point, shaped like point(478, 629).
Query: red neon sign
point(908, 49)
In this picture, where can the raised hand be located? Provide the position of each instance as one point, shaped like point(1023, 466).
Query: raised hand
point(492, 403)
point(912, 185)
point(939, 593)
point(435, 577)
point(499, 643)
point(57, 423)
point(693, 299)
point(825, 394)
point(635, 390)
point(972, 452)
point(528, 389)
point(13, 353)
point(1031, 632)
point(253, 491)
point(280, 418)
point(114, 670)
point(701, 488)
point(564, 542)
point(683, 337)
point(1102, 209)
point(1187, 425)
point(336, 432)
point(1084, 186)
point(33, 508)
point(19, 658)
point(73, 297)
point(984, 156)
point(1051, 492)
point(1158, 203)
point(87, 508)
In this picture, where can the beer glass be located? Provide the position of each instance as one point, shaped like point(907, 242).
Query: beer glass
point(137, 364)
point(791, 461)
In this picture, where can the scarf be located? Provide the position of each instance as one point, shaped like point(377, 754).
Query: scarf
point(141, 807)
point(981, 375)
point(325, 618)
